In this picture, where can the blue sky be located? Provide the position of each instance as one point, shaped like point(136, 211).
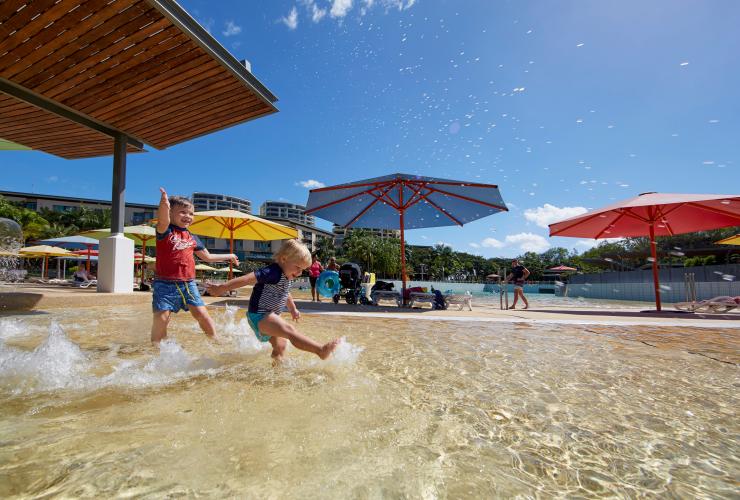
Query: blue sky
point(566, 105)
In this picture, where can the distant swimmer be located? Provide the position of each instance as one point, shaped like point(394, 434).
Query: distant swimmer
point(271, 293)
point(518, 276)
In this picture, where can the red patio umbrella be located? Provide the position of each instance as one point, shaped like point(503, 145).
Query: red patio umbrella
point(89, 252)
point(654, 214)
point(562, 269)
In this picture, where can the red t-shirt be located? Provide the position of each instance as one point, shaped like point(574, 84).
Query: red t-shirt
point(175, 248)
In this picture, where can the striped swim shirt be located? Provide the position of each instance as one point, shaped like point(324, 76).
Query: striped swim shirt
point(270, 294)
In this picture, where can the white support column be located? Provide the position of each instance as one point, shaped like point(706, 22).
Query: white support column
point(116, 265)
point(116, 258)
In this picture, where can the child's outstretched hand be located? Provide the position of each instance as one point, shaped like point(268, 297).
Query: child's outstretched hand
point(296, 314)
point(234, 259)
point(164, 200)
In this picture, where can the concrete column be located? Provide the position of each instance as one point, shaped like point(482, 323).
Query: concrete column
point(116, 264)
point(116, 259)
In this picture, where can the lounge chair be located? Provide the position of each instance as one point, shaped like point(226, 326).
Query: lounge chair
point(721, 304)
point(415, 297)
point(84, 284)
point(378, 295)
point(460, 299)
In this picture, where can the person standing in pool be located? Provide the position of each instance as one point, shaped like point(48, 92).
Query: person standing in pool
point(313, 274)
point(174, 286)
point(271, 293)
point(518, 276)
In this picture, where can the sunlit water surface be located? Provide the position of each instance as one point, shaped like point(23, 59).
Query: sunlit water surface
point(421, 409)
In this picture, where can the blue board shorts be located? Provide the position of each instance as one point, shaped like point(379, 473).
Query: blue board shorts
point(175, 295)
point(254, 320)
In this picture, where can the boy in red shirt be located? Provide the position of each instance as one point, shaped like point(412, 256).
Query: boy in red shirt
point(174, 287)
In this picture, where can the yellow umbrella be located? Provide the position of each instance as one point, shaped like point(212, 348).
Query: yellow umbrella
point(236, 225)
point(8, 254)
point(732, 240)
point(44, 251)
point(205, 267)
point(142, 235)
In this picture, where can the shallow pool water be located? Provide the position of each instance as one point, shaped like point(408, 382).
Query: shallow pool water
point(88, 408)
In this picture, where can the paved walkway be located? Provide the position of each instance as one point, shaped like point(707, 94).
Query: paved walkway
point(27, 297)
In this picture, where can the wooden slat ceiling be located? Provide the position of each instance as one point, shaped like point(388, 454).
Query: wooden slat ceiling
point(122, 63)
point(36, 128)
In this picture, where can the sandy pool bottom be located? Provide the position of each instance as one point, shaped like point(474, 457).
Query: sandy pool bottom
point(418, 409)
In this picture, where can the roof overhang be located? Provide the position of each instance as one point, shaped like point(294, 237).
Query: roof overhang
point(74, 73)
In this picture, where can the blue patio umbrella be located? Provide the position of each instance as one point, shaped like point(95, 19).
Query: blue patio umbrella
point(74, 243)
point(404, 201)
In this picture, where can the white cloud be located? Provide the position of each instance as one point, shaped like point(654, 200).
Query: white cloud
point(311, 184)
point(52, 178)
point(317, 14)
point(339, 8)
point(474, 245)
point(291, 21)
point(492, 243)
point(547, 214)
point(231, 29)
point(528, 242)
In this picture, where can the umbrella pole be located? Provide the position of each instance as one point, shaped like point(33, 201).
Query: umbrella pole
point(231, 250)
point(403, 263)
point(653, 254)
point(44, 266)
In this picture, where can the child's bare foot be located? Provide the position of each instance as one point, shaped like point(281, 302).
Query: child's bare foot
point(328, 348)
point(216, 339)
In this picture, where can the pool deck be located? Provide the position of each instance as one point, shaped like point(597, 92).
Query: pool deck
point(39, 298)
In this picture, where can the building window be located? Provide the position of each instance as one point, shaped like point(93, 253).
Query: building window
point(62, 208)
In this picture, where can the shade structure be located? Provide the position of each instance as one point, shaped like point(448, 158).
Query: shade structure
point(73, 243)
point(405, 201)
point(562, 269)
point(236, 225)
point(205, 267)
point(142, 235)
point(44, 251)
point(78, 242)
point(732, 240)
point(651, 215)
point(144, 67)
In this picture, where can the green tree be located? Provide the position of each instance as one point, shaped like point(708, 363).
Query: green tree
point(32, 224)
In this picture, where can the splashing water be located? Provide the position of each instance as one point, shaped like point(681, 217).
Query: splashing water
point(57, 363)
point(239, 332)
point(345, 353)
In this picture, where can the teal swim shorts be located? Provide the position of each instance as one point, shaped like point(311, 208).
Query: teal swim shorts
point(254, 320)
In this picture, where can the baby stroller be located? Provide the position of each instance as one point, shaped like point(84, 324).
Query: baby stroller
point(350, 282)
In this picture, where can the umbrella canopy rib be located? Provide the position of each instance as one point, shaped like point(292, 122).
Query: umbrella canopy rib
point(466, 198)
point(610, 225)
point(341, 200)
point(370, 205)
point(426, 197)
point(715, 210)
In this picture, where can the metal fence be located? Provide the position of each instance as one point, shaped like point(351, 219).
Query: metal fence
point(715, 273)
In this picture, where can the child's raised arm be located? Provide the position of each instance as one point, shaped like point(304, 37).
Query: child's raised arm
point(218, 290)
point(163, 212)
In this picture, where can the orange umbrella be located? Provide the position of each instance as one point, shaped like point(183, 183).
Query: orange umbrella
point(654, 214)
